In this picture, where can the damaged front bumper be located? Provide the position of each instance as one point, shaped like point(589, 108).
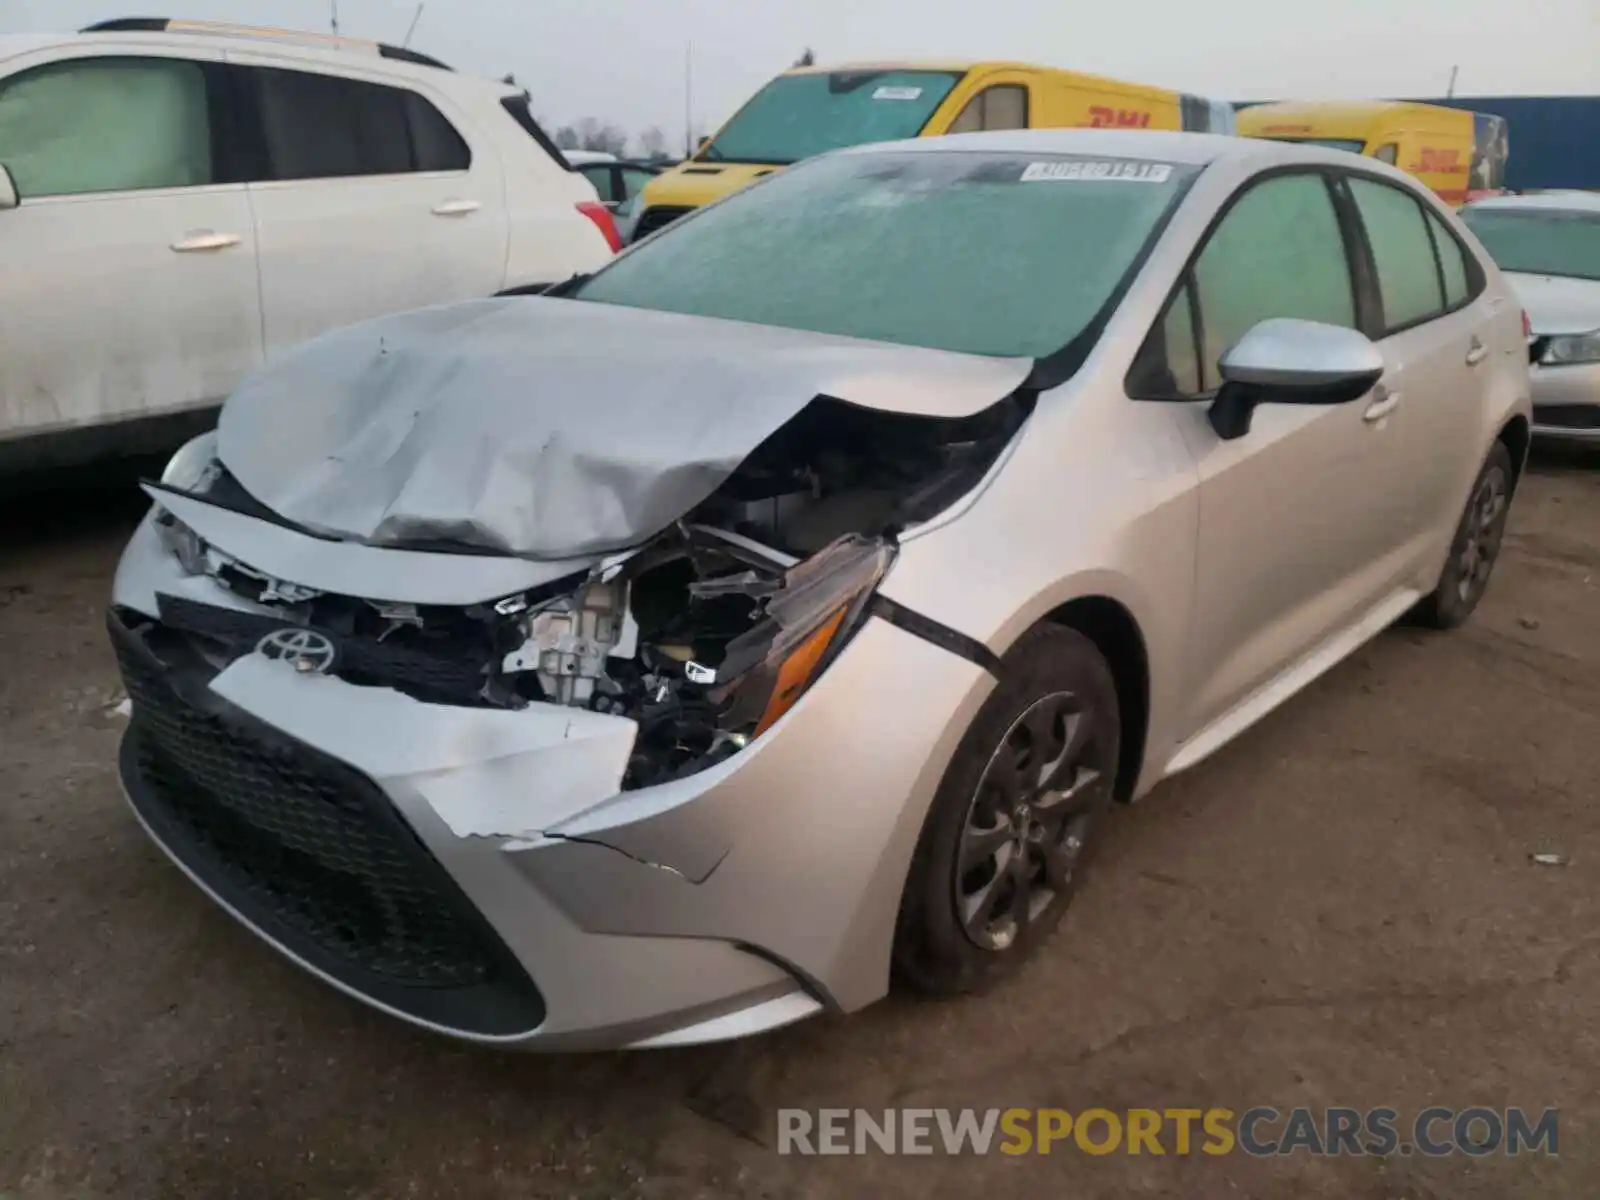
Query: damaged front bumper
point(480, 871)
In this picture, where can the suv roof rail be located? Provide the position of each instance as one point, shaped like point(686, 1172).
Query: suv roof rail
point(223, 28)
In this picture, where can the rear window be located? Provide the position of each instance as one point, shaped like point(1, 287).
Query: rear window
point(797, 116)
point(1011, 255)
point(1539, 241)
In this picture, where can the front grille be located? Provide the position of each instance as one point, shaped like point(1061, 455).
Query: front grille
point(1567, 416)
point(308, 850)
point(656, 218)
point(450, 674)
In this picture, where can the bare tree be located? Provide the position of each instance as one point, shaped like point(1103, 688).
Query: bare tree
point(594, 134)
point(653, 143)
point(567, 138)
point(808, 59)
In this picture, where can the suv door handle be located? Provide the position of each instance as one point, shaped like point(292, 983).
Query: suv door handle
point(206, 240)
point(1476, 353)
point(1383, 403)
point(456, 208)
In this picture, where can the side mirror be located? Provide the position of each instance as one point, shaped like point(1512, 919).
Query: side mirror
point(1285, 361)
point(702, 144)
point(8, 189)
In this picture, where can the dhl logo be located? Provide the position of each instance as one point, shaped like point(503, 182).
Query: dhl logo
point(1435, 162)
point(1101, 117)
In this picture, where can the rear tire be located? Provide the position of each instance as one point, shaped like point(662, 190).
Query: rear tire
point(1015, 820)
point(1475, 547)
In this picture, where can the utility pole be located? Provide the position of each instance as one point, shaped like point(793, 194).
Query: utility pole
point(688, 100)
point(333, 15)
point(1450, 93)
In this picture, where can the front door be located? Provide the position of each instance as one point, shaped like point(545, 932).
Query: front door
point(128, 287)
point(1301, 519)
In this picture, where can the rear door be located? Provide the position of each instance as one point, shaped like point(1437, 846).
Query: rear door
point(128, 271)
point(371, 198)
point(1435, 337)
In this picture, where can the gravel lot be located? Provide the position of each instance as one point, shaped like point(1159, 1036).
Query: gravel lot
point(1340, 908)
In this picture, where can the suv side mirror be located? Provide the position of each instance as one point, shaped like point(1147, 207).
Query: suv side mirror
point(702, 144)
point(8, 189)
point(1285, 361)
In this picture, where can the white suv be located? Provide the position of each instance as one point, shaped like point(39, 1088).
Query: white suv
point(182, 202)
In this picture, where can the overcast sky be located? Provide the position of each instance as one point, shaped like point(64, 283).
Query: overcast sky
point(623, 60)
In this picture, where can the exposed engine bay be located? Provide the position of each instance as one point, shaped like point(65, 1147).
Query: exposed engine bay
point(704, 635)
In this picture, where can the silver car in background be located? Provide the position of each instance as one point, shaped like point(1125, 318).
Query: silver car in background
point(1549, 247)
point(783, 607)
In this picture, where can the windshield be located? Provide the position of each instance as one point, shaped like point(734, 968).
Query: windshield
point(1539, 241)
point(1007, 255)
point(797, 116)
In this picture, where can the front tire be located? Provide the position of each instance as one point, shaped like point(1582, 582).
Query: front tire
point(1015, 820)
point(1475, 547)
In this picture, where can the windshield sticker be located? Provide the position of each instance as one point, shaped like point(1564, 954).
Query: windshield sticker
point(1124, 172)
point(897, 93)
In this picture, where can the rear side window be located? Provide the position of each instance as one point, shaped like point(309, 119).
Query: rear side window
point(1408, 276)
point(326, 127)
point(1387, 153)
point(600, 174)
point(106, 125)
point(1004, 106)
point(1452, 263)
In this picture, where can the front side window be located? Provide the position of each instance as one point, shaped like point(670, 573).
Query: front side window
point(1408, 276)
point(1539, 241)
point(1004, 106)
point(1278, 253)
point(970, 251)
point(797, 116)
point(106, 125)
point(1387, 153)
point(329, 127)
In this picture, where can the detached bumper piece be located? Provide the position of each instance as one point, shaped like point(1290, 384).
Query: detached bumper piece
point(306, 850)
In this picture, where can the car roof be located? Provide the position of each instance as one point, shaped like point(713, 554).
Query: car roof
point(1195, 149)
point(1564, 201)
point(285, 43)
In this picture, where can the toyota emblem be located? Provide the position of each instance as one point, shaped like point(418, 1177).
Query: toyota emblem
point(305, 650)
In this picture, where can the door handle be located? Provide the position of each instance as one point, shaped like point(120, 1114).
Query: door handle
point(1383, 403)
point(206, 240)
point(456, 208)
point(1476, 353)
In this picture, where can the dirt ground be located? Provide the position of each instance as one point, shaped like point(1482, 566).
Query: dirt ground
point(1339, 909)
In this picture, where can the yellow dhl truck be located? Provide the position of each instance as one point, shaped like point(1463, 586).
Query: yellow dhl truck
point(1460, 155)
point(811, 110)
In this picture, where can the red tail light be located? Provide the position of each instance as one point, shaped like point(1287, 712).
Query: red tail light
point(1527, 325)
point(601, 216)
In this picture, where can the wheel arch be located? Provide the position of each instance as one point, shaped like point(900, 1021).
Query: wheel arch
point(1516, 435)
point(1116, 634)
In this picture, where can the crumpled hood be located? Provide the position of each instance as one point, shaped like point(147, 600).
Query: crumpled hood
point(1556, 305)
point(550, 428)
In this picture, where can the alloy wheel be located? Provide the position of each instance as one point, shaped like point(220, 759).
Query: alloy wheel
point(1485, 527)
point(1029, 819)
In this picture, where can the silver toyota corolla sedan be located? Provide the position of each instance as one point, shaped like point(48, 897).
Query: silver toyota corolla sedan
point(1549, 247)
point(782, 608)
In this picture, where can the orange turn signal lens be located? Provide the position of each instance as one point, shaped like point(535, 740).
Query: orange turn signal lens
point(798, 669)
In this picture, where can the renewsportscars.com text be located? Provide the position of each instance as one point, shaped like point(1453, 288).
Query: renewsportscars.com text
point(1260, 1132)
